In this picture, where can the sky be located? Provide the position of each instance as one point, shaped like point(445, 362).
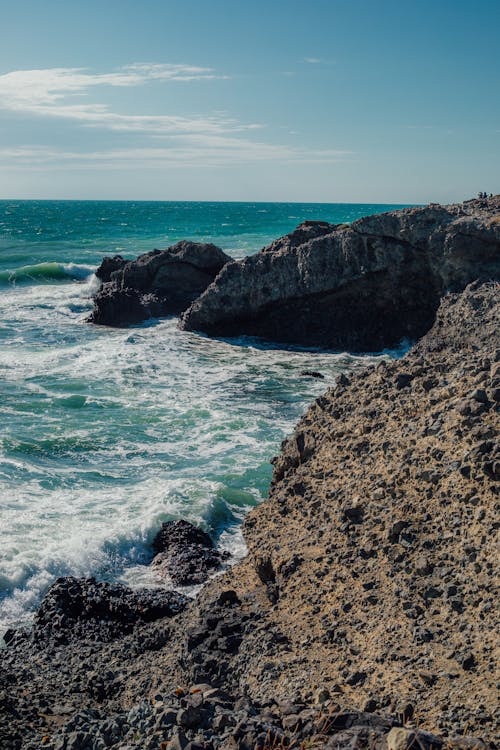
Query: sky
point(284, 100)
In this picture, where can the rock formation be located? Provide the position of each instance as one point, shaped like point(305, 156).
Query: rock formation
point(75, 608)
point(155, 284)
point(364, 615)
point(185, 554)
point(360, 287)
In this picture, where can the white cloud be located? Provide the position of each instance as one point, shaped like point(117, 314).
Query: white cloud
point(45, 92)
point(312, 60)
point(199, 151)
point(214, 139)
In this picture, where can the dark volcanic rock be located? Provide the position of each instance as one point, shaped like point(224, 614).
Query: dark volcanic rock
point(108, 266)
point(185, 553)
point(157, 283)
point(358, 287)
point(84, 608)
point(115, 306)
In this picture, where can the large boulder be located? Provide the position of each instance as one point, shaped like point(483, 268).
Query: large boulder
point(359, 287)
point(162, 282)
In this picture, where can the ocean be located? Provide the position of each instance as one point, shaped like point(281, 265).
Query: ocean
point(107, 433)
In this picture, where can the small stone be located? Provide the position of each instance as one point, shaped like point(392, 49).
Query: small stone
point(312, 374)
point(495, 394)
point(353, 513)
point(428, 678)
point(396, 529)
point(479, 395)
point(467, 662)
point(321, 695)
point(190, 717)
point(403, 380)
point(400, 738)
point(356, 678)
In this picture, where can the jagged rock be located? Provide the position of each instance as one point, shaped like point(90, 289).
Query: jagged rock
point(157, 283)
point(109, 265)
point(358, 287)
point(185, 554)
point(76, 608)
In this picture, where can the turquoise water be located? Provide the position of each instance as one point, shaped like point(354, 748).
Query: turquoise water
point(106, 433)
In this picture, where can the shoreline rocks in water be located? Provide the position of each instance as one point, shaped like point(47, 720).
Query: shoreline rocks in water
point(83, 608)
point(162, 282)
point(361, 287)
point(185, 554)
point(363, 615)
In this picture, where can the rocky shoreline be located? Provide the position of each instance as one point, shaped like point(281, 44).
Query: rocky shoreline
point(358, 287)
point(364, 614)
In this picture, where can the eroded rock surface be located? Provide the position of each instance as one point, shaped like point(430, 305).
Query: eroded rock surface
point(360, 287)
point(372, 567)
point(162, 282)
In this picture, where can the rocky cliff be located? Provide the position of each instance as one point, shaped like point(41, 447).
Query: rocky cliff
point(364, 612)
point(359, 287)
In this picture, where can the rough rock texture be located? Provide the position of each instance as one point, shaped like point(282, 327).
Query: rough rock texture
point(185, 554)
point(364, 614)
point(359, 287)
point(372, 568)
point(157, 283)
point(76, 608)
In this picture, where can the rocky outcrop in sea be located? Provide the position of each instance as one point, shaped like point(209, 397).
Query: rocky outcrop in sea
point(358, 287)
point(159, 283)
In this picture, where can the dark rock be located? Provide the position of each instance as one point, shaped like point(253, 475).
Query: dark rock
point(403, 380)
point(82, 608)
point(312, 374)
point(228, 598)
point(108, 266)
point(185, 553)
point(479, 395)
point(468, 661)
point(353, 513)
point(396, 529)
point(115, 306)
point(358, 287)
point(190, 717)
point(289, 567)
point(155, 284)
point(356, 678)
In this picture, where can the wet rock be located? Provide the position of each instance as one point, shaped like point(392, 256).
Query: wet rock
point(155, 284)
point(108, 266)
point(185, 553)
point(84, 608)
point(115, 306)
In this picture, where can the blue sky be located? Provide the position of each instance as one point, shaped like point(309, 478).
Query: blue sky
point(348, 101)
